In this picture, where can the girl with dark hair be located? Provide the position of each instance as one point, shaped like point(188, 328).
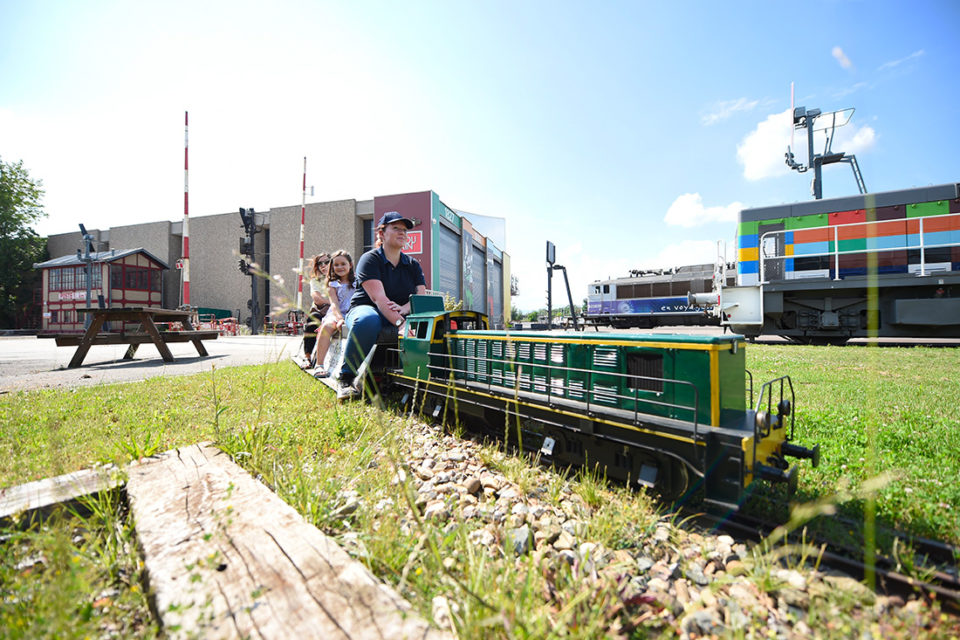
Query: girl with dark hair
point(319, 271)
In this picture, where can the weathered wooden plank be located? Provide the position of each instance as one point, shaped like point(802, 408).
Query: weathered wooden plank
point(227, 558)
point(37, 498)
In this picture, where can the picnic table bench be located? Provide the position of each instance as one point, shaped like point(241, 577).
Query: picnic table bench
point(146, 332)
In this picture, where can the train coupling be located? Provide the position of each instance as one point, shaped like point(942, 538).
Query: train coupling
point(796, 451)
point(774, 474)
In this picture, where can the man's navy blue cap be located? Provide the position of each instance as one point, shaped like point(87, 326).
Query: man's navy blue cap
point(394, 216)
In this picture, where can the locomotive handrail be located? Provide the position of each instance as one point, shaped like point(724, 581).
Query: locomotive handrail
point(750, 375)
point(836, 253)
point(766, 389)
point(586, 391)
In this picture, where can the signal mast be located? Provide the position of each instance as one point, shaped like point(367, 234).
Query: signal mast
point(812, 120)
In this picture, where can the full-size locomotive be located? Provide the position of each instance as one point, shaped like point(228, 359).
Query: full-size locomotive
point(669, 412)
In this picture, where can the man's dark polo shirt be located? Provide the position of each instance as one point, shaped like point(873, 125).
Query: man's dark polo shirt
point(399, 282)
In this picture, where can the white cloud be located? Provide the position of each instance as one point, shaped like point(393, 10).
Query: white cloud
point(849, 139)
point(726, 108)
point(688, 211)
point(761, 151)
point(893, 63)
point(841, 58)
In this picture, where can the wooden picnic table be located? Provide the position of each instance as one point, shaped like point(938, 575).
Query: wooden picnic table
point(146, 332)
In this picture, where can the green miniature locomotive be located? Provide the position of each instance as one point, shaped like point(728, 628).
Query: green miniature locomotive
point(665, 411)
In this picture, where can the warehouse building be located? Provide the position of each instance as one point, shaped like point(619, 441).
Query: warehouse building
point(457, 259)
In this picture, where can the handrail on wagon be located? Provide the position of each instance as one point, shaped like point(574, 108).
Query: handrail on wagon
point(588, 389)
point(763, 420)
point(836, 253)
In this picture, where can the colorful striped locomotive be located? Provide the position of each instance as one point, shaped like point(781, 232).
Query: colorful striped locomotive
point(672, 412)
point(883, 264)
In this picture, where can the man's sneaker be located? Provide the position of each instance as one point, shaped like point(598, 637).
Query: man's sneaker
point(346, 391)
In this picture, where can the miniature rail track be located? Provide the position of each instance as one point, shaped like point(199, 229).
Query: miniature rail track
point(938, 577)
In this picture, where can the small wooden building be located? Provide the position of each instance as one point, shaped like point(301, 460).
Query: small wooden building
point(130, 278)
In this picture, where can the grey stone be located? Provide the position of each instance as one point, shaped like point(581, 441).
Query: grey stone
point(564, 541)
point(509, 493)
point(347, 509)
point(792, 577)
point(472, 485)
point(436, 510)
point(695, 574)
point(662, 534)
point(519, 540)
point(703, 622)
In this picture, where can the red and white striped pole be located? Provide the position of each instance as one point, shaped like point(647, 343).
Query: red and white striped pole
point(186, 211)
point(303, 218)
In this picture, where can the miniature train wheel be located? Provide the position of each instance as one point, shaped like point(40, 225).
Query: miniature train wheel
point(674, 478)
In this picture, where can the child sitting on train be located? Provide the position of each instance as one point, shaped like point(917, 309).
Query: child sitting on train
point(320, 304)
point(340, 289)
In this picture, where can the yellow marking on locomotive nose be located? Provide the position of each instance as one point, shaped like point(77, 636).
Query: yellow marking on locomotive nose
point(715, 388)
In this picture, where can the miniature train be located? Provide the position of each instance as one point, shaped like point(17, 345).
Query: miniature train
point(669, 412)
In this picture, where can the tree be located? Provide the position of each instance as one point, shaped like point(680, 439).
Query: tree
point(20, 246)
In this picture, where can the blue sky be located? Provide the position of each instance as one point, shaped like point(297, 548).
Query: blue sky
point(627, 133)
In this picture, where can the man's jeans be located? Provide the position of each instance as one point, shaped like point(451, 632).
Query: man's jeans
point(364, 324)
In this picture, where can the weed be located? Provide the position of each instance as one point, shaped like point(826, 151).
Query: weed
point(150, 446)
point(590, 484)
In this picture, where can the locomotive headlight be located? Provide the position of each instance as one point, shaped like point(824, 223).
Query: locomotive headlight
point(762, 420)
point(783, 408)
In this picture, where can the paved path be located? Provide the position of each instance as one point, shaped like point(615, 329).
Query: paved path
point(27, 362)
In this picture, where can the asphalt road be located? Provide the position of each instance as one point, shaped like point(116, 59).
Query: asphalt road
point(28, 363)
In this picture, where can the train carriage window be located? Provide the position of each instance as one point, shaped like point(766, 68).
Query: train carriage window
point(606, 288)
point(660, 289)
point(465, 324)
point(648, 365)
point(418, 330)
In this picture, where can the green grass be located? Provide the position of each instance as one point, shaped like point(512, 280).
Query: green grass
point(323, 458)
point(888, 413)
point(73, 576)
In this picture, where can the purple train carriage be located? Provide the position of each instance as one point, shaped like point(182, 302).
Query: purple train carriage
point(647, 299)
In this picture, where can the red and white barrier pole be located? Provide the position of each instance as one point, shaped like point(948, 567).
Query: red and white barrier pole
point(186, 211)
point(303, 218)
